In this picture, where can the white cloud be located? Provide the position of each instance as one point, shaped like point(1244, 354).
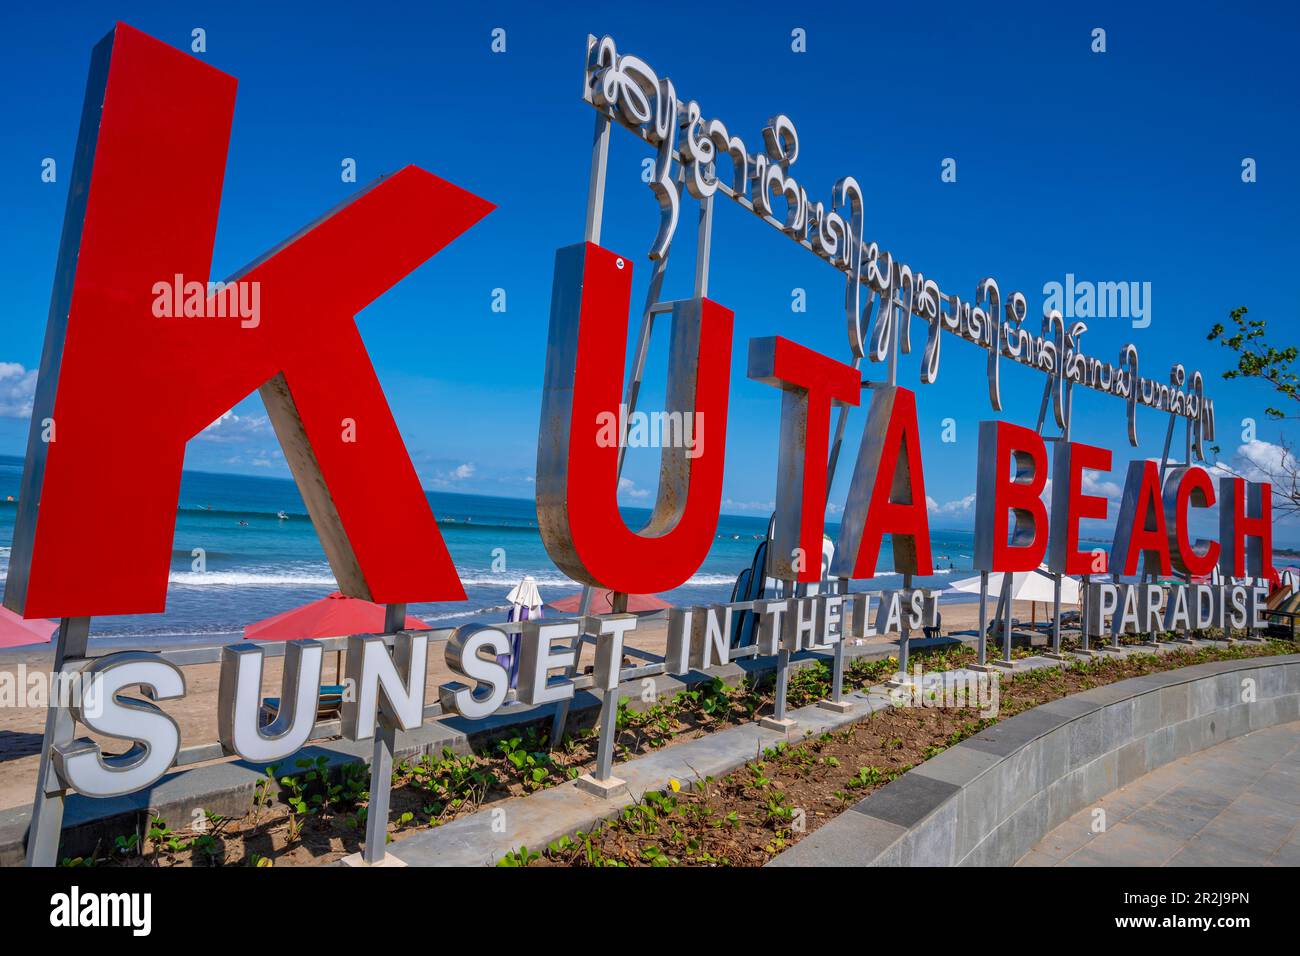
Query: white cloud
point(1093, 484)
point(17, 388)
point(626, 486)
point(261, 458)
point(1258, 460)
point(231, 427)
point(961, 507)
point(463, 471)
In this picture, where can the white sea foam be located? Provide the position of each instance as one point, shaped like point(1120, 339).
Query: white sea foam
point(472, 578)
point(246, 579)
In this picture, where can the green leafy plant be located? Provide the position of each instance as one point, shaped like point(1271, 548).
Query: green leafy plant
point(520, 857)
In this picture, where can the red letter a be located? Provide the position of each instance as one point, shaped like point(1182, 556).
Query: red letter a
point(887, 493)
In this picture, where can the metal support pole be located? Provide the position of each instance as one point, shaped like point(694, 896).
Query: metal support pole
point(1056, 615)
point(1083, 609)
point(561, 717)
point(47, 807)
point(779, 720)
point(596, 187)
point(836, 701)
point(375, 847)
point(904, 633)
point(1006, 620)
point(703, 248)
point(381, 782)
point(603, 783)
point(782, 683)
point(982, 646)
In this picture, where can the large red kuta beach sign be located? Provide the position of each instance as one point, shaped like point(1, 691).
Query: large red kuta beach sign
point(121, 390)
point(125, 383)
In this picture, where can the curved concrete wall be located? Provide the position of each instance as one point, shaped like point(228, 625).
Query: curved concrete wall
point(989, 799)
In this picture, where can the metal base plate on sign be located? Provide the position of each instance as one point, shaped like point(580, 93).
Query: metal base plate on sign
point(1004, 665)
point(835, 706)
point(612, 787)
point(356, 859)
point(771, 723)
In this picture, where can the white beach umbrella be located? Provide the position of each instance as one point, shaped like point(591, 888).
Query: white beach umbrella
point(524, 596)
point(1033, 586)
point(525, 605)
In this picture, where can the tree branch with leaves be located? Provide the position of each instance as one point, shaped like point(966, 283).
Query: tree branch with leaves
point(1257, 359)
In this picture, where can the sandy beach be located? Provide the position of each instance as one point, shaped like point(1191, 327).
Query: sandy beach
point(21, 728)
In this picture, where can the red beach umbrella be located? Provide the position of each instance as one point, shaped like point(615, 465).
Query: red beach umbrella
point(334, 616)
point(17, 631)
point(602, 602)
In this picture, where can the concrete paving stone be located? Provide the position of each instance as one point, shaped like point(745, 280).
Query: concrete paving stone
point(1009, 735)
point(1160, 747)
point(1038, 858)
point(1174, 704)
point(1288, 708)
point(1216, 853)
point(1065, 797)
point(906, 800)
point(1227, 691)
point(1132, 762)
point(1122, 803)
point(1213, 805)
point(1182, 812)
point(1291, 678)
point(1071, 707)
point(1125, 845)
point(1280, 785)
point(851, 839)
point(993, 850)
point(1146, 714)
point(1255, 821)
point(1025, 827)
point(958, 765)
point(933, 841)
point(1204, 698)
point(1062, 841)
point(1288, 855)
point(1117, 724)
point(1263, 713)
point(1272, 682)
point(1100, 777)
point(978, 813)
point(1085, 739)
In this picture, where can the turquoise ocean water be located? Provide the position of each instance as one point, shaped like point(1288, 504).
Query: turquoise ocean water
point(258, 564)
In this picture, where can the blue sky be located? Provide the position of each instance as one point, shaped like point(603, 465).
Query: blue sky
point(1115, 166)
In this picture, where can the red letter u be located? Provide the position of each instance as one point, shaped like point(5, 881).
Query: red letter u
point(577, 469)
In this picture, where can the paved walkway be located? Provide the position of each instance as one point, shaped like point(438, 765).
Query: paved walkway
point(1236, 804)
